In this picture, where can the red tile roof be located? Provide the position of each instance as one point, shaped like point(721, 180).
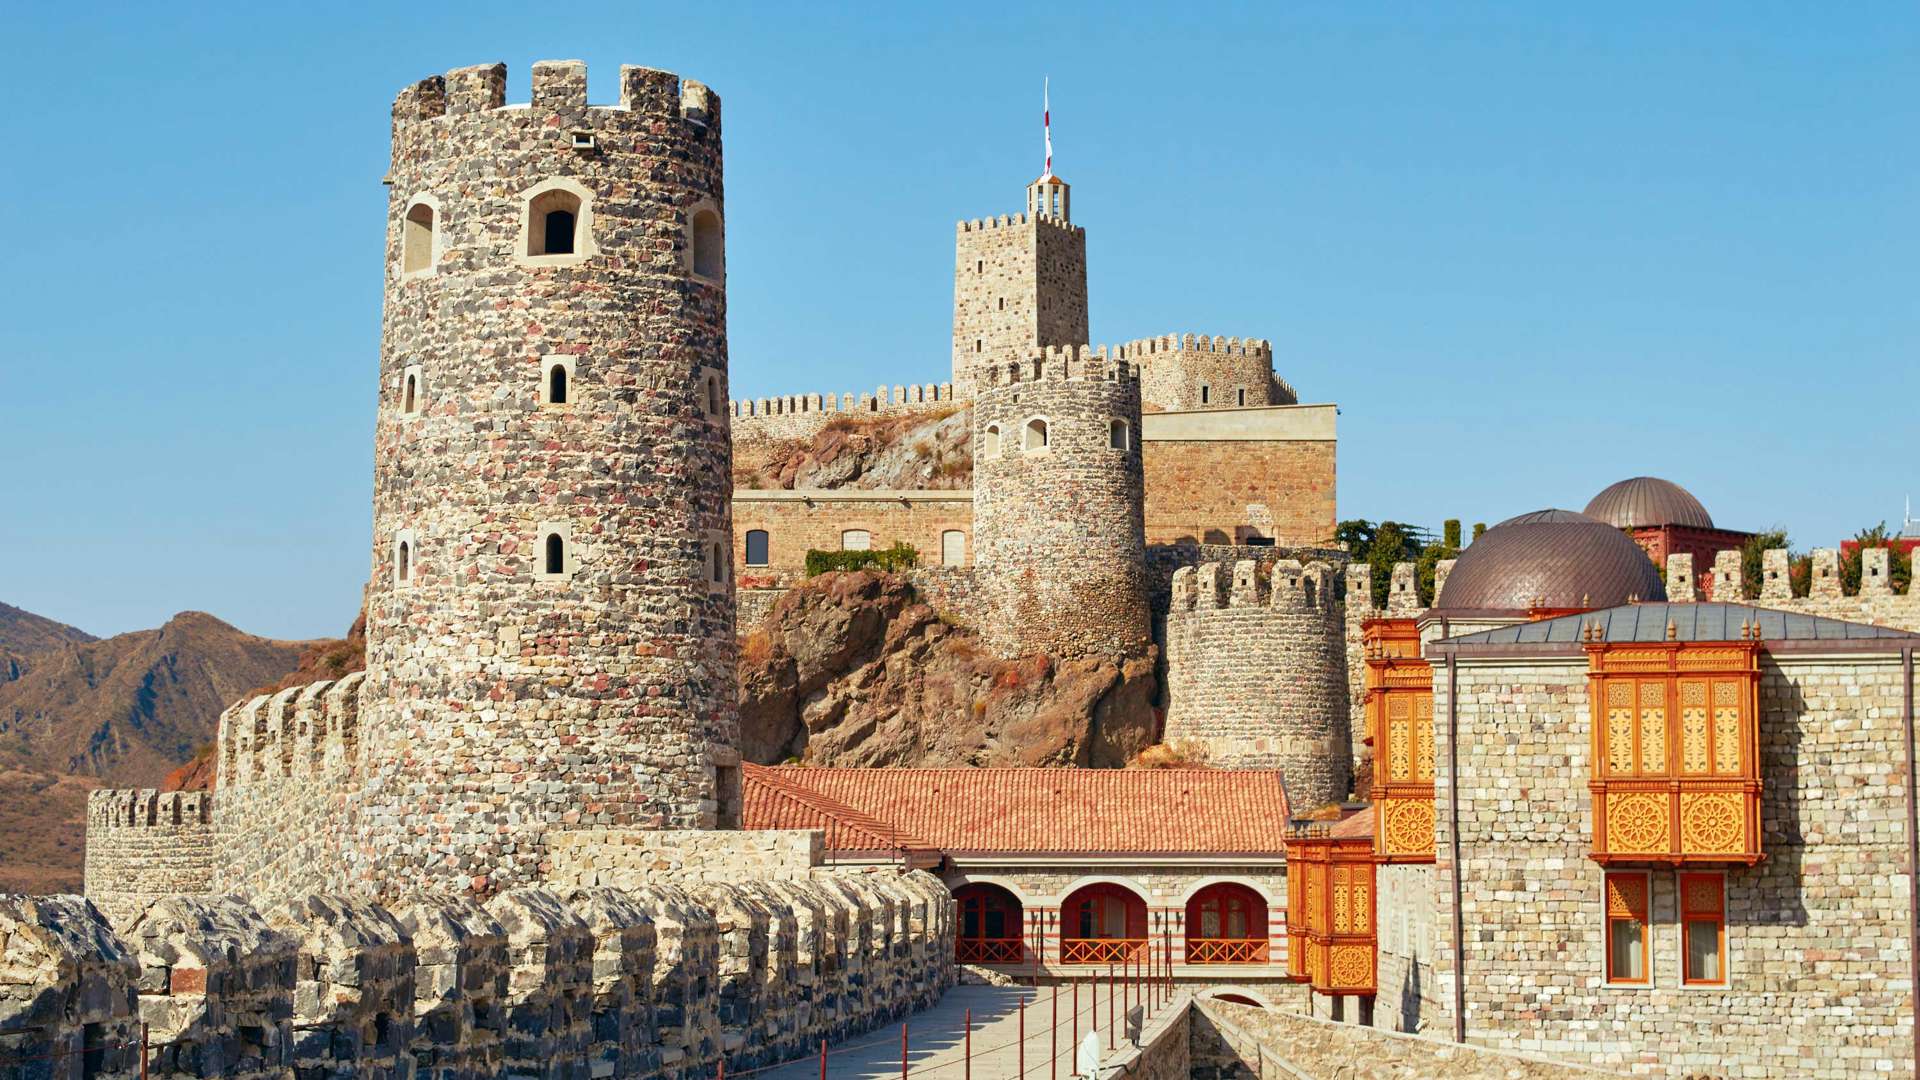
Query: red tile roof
point(1053, 811)
point(772, 802)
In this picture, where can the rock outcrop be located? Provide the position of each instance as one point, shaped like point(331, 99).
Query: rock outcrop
point(851, 669)
point(930, 450)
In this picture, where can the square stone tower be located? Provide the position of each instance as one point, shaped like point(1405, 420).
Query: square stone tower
point(1019, 282)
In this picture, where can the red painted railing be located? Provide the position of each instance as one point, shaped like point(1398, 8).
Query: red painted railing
point(1102, 950)
point(1226, 950)
point(989, 951)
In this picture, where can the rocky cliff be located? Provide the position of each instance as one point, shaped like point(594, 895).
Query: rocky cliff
point(851, 669)
point(924, 450)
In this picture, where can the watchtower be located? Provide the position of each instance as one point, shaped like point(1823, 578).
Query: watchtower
point(1058, 519)
point(1019, 281)
point(550, 638)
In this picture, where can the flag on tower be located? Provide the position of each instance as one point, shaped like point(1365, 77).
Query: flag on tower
point(1046, 126)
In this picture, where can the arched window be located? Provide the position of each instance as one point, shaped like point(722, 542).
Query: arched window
point(557, 223)
point(410, 403)
point(1226, 924)
point(556, 379)
point(953, 548)
point(856, 540)
point(990, 929)
point(416, 239)
point(556, 562)
point(756, 547)
point(707, 246)
point(991, 441)
point(557, 385)
point(1102, 924)
point(1118, 436)
point(403, 562)
point(1036, 434)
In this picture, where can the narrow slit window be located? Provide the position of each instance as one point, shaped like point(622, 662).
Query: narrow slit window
point(719, 562)
point(556, 561)
point(411, 403)
point(403, 563)
point(1626, 900)
point(713, 396)
point(557, 385)
point(1206, 393)
point(1242, 396)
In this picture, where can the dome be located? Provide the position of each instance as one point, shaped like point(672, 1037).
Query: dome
point(1553, 559)
point(1647, 501)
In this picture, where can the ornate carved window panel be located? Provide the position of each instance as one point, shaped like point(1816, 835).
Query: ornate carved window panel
point(1676, 775)
point(1330, 916)
point(1399, 705)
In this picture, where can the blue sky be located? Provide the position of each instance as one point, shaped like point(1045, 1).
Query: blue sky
point(1529, 248)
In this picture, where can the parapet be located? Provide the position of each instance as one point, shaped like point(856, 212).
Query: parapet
point(882, 399)
point(301, 731)
point(1020, 220)
point(1288, 587)
point(1055, 363)
point(142, 808)
point(1143, 349)
point(559, 86)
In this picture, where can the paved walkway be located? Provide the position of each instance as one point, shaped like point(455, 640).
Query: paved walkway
point(936, 1045)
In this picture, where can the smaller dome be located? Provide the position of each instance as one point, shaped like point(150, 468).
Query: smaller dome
point(1647, 501)
point(1551, 559)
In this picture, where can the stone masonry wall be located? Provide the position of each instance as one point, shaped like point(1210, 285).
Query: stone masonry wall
point(1876, 603)
point(797, 521)
point(587, 858)
point(604, 691)
point(1019, 283)
point(1235, 374)
point(1403, 956)
point(1225, 492)
point(801, 416)
point(1239, 1042)
point(1057, 528)
point(142, 845)
point(654, 981)
point(1817, 951)
point(1256, 673)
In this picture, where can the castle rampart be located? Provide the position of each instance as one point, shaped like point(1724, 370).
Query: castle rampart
point(1876, 602)
point(801, 416)
point(144, 844)
point(1256, 672)
point(1182, 372)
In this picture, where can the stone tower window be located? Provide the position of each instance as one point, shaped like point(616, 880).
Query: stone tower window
point(417, 240)
point(1243, 395)
point(706, 251)
point(412, 392)
point(757, 548)
point(953, 548)
point(1206, 393)
point(713, 405)
point(1036, 438)
point(556, 380)
point(856, 540)
point(555, 558)
point(556, 224)
point(991, 441)
point(1119, 436)
point(403, 558)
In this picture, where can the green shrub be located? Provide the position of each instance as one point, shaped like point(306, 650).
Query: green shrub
point(901, 556)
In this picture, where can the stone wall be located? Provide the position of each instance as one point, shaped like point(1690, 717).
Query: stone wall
point(1403, 954)
point(1256, 673)
point(1876, 603)
point(606, 688)
point(145, 844)
point(632, 859)
point(1240, 1042)
point(1816, 939)
point(801, 416)
point(1235, 374)
point(797, 521)
point(1061, 551)
point(1019, 283)
point(1221, 491)
point(654, 981)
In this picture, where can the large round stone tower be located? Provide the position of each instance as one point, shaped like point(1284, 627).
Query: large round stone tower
point(1059, 522)
point(550, 619)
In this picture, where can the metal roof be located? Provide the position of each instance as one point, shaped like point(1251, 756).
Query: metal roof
point(1691, 622)
point(1552, 559)
point(1646, 501)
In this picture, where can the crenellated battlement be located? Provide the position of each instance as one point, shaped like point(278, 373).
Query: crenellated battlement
point(1877, 602)
point(1055, 363)
point(559, 87)
point(145, 808)
point(1009, 221)
point(882, 399)
point(298, 732)
point(1288, 586)
point(1147, 348)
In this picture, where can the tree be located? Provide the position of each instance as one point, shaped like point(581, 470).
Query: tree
point(1388, 542)
point(1450, 533)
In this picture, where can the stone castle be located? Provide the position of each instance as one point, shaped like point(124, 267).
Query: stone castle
point(514, 845)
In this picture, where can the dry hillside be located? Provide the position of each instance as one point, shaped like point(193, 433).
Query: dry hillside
point(930, 449)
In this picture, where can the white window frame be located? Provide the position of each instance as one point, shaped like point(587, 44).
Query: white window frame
point(403, 537)
point(565, 362)
point(1046, 435)
point(944, 559)
point(434, 245)
point(418, 374)
point(583, 246)
point(569, 553)
point(867, 533)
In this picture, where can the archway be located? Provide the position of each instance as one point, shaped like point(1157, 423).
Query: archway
point(1226, 924)
point(991, 924)
point(1102, 923)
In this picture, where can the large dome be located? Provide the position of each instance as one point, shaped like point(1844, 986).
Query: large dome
point(1551, 559)
point(1646, 501)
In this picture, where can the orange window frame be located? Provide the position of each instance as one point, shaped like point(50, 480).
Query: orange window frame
point(1703, 899)
point(1627, 896)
